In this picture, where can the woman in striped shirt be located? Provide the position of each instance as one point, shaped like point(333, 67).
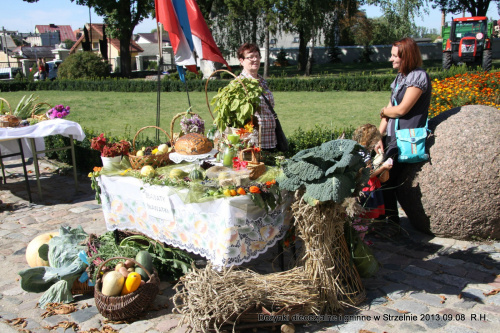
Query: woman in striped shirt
point(249, 56)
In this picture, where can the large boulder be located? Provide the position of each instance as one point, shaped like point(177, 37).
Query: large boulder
point(456, 193)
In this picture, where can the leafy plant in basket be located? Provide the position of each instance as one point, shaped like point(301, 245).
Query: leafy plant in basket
point(109, 149)
point(236, 103)
point(171, 263)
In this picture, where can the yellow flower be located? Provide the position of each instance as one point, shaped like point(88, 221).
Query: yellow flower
point(124, 172)
point(249, 127)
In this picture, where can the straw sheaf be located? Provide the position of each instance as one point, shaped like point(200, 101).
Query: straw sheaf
point(325, 258)
point(210, 299)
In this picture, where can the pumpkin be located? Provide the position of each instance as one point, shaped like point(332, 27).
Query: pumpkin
point(112, 283)
point(32, 256)
point(131, 284)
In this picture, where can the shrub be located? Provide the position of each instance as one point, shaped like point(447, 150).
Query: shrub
point(281, 59)
point(83, 65)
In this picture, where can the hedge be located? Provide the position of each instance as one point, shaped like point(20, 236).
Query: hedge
point(332, 83)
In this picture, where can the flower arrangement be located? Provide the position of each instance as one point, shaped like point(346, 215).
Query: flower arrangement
point(248, 128)
point(194, 124)
point(109, 149)
point(58, 111)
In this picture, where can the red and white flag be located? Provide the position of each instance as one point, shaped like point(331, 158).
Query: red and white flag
point(188, 32)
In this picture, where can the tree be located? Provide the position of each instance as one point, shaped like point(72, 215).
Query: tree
point(121, 17)
point(308, 18)
point(69, 43)
point(400, 14)
point(383, 32)
point(474, 7)
point(234, 22)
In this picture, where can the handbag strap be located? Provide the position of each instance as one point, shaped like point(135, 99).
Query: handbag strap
point(270, 106)
point(396, 124)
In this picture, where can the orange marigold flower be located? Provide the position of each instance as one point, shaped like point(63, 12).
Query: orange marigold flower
point(271, 183)
point(254, 189)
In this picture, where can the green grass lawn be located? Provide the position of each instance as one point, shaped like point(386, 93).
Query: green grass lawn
point(123, 114)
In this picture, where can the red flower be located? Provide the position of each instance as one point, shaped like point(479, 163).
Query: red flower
point(98, 143)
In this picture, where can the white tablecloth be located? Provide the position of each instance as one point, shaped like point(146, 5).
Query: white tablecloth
point(178, 158)
point(227, 231)
point(8, 144)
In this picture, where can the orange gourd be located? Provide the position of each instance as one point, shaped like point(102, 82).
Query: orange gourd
point(131, 284)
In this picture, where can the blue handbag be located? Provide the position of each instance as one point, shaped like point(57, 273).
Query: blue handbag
point(411, 143)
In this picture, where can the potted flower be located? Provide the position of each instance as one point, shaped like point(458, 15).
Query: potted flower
point(193, 124)
point(236, 103)
point(58, 111)
point(111, 152)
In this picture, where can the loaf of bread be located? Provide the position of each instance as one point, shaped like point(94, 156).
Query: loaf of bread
point(8, 120)
point(193, 144)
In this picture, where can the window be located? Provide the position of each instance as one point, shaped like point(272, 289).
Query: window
point(95, 45)
point(272, 41)
point(296, 40)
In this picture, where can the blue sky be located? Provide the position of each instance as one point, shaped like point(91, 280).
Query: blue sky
point(23, 16)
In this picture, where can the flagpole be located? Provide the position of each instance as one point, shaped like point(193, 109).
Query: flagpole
point(159, 29)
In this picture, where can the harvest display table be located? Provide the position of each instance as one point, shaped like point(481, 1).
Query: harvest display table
point(228, 231)
point(30, 143)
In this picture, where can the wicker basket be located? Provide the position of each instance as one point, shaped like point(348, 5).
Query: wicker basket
point(81, 288)
point(175, 136)
point(137, 162)
point(40, 117)
point(130, 305)
point(255, 167)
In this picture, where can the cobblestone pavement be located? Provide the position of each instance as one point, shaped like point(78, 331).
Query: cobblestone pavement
point(424, 284)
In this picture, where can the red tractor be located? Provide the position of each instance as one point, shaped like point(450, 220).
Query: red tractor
point(467, 41)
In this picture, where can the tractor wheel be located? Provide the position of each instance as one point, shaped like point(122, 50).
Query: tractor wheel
point(446, 60)
point(487, 60)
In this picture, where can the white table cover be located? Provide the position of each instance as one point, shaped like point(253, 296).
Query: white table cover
point(8, 144)
point(227, 231)
point(178, 158)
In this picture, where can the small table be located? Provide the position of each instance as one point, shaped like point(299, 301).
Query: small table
point(228, 231)
point(31, 137)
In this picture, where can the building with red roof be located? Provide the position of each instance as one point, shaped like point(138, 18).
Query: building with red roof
point(96, 34)
point(64, 32)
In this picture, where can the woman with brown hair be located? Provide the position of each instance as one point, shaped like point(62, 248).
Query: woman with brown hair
point(249, 56)
point(410, 100)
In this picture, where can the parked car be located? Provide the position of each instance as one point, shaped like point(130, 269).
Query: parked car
point(9, 73)
point(52, 65)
